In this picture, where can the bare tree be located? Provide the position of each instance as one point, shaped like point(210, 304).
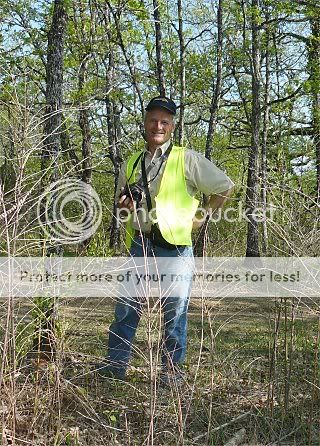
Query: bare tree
point(116, 15)
point(112, 125)
point(54, 90)
point(214, 108)
point(157, 24)
point(314, 69)
point(44, 339)
point(266, 119)
point(182, 74)
point(252, 181)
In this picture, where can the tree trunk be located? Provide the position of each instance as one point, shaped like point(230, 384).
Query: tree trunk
point(114, 154)
point(263, 165)
point(86, 174)
point(214, 108)
point(130, 65)
point(54, 83)
point(252, 181)
point(70, 158)
point(314, 69)
point(182, 75)
point(44, 340)
point(160, 71)
point(216, 85)
point(86, 164)
point(113, 143)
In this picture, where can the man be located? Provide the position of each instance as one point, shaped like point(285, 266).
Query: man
point(168, 178)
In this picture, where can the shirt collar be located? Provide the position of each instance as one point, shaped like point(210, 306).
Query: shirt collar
point(162, 148)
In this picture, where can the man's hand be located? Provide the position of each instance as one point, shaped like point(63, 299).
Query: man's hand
point(199, 219)
point(125, 201)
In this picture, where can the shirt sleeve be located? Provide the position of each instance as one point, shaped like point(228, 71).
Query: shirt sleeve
point(205, 176)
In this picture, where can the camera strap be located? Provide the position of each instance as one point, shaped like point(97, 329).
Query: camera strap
point(145, 172)
point(134, 166)
point(141, 157)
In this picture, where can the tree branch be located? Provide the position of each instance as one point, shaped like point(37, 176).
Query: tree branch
point(296, 36)
point(196, 37)
point(286, 98)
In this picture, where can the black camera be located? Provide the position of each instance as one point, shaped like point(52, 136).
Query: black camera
point(134, 191)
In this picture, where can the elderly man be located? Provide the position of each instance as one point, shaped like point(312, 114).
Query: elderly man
point(163, 180)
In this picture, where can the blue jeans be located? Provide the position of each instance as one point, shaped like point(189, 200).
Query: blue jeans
point(174, 299)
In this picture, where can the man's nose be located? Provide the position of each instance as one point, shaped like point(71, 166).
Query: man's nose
point(158, 125)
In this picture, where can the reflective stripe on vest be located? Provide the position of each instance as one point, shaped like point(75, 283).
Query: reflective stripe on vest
point(175, 208)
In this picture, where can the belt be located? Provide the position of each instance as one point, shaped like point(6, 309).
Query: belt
point(142, 234)
point(161, 243)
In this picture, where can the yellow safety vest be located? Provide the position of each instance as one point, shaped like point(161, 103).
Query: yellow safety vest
point(175, 208)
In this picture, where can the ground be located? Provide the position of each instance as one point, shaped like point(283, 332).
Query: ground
point(252, 374)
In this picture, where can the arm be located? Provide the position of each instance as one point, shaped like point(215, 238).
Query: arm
point(214, 202)
point(204, 176)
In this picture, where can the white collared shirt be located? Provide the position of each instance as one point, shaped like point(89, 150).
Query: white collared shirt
point(201, 176)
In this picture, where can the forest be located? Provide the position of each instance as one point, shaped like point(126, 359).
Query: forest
point(75, 78)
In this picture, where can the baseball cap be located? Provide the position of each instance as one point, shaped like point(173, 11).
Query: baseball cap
point(162, 102)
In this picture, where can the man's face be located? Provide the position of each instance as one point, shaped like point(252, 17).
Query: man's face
point(158, 126)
